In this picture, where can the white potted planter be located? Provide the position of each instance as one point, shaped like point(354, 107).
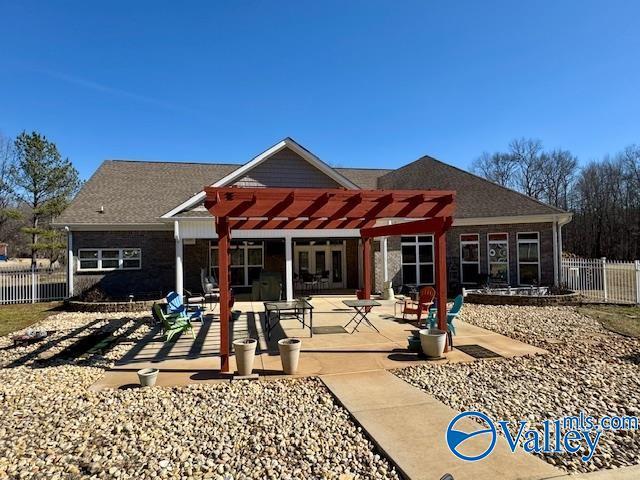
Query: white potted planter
point(387, 291)
point(289, 354)
point(245, 349)
point(148, 377)
point(433, 342)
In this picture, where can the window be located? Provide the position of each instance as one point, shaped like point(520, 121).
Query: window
point(417, 260)
point(469, 257)
point(109, 259)
point(528, 258)
point(247, 261)
point(498, 253)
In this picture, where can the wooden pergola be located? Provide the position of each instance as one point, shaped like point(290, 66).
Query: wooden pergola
point(417, 212)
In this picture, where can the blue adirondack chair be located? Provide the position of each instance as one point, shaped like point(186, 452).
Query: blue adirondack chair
point(176, 306)
point(451, 315)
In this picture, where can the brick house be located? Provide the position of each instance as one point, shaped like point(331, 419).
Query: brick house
point(141, 228)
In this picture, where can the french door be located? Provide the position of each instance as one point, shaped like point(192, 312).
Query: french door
point(327, 260)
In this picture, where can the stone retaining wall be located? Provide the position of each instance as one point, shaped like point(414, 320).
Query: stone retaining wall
point(110, 307)
point(532, 300)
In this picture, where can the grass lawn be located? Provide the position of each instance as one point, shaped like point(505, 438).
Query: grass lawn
point(18, 316)
point(621, 319)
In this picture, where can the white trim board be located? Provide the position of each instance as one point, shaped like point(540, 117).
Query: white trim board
point(255, 161)
point(541, 218)
point(118, 227)
point(562, 219)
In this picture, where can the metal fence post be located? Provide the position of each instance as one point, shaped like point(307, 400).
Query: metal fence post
point(604, 278)
point(637, 262)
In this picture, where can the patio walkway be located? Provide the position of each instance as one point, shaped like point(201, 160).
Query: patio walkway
point(192, 361)
point(409, 426)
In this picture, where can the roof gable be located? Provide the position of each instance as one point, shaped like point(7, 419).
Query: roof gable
point(286, 149)
point(244, 175)
point(476, 197)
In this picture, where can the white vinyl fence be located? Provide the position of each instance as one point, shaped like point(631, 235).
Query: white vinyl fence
point(603, 280)
point(30, 285)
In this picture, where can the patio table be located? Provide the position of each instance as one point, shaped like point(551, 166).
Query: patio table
point(362, 308)
point(296, 308)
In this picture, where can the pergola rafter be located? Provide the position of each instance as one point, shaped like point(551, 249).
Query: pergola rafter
point(236, 208)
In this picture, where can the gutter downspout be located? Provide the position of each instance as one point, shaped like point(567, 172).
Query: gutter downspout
point(70, 261)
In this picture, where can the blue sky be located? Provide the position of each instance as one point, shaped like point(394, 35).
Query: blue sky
point(370, 84)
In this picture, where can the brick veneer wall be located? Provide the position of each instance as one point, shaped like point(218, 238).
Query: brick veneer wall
point(394, 253)
point(156, 275)
point(158, 258)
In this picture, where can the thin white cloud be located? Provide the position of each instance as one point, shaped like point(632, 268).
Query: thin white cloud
point(99, 87)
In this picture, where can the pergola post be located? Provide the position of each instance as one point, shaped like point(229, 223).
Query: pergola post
point(366, 266)
point(441, 280)
point(222, 228)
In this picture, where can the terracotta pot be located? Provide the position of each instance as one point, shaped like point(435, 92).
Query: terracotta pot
point(245, 350)
point(433, 342)
point(289, 354)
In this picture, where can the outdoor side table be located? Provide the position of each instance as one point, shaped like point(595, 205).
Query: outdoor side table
point(362, 308)
point(400, 300)
point(273, 312)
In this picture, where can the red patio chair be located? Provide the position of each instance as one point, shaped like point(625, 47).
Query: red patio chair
point(425, 300)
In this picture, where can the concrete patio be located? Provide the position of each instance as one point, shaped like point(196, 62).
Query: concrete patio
point(196, 360)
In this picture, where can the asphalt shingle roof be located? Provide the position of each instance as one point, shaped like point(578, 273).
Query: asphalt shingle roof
point(139, 192)
point(476, 197)
point(133, 192)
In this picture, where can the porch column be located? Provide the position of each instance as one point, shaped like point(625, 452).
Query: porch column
point(366, 266)
point(222, 228)
point(288, 267)
point(385, 264)
point(560, 250)
point(360, 276)
point(441, 280)
point(556, 281)
point(69, 262)
point(179, 253)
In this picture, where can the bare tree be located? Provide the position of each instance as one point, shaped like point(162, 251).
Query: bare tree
point(527, 155)
point(604, 195)
point(497, 167)
point(558, 172)
point(7, 160)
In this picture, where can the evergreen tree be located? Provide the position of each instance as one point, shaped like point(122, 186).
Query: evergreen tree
point(45, 182)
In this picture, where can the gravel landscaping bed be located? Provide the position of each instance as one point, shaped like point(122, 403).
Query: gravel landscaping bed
point(589, 369)
point(52, 426)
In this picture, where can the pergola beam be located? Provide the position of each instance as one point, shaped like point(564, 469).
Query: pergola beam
point(334, 204)
point(416, 227)
point(298, 224)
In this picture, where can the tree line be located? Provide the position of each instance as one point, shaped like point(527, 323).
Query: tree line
point(604, 194)
point(36, 185)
